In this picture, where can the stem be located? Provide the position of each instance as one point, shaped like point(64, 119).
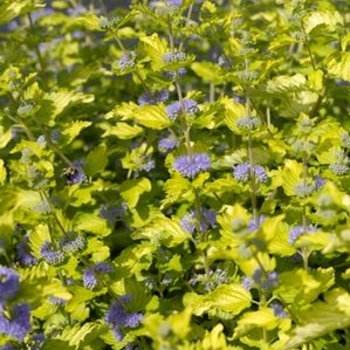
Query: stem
point(36, 47)
point(268, 117)
point(304, 250)
point(186, 129)
point(307, 42)
point(211, 92)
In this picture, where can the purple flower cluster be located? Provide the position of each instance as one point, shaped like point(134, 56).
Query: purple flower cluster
point(189, 222)
point(188, 106)
point(18, 325)
point(216, 278)
point(171, 75)
point(72, 244)
point(190, 166)
point(171, 57)
point(247, 283)
point(319, 182)
point(241, 172)
point(303, 189)
point(9, 283)
point(153, 98)
point(278, 310)
point(148, 163)
point(55, 135)
point(255, 224)
point(248, 123)
point(24, 255)
point(91, 273)
point(297, 231)
point(111, 213)
point(50, 255)
point(119, 318)
point(167, 143)
point(58, 301)
point(267, 280)
point(339, 169)
point(127, 60)
point(175, 3)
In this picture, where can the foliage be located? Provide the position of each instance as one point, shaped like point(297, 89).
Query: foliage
point(175, 175)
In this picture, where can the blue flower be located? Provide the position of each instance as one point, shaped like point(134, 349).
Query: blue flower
point(89, 278)
point(319, 182)
point(58, 301)
point(253, 225)
point(9, 283)
point(241, 172)
point(266, 281)
point(24, 256)
point(50, 255)
point(339, 169)
point(41, 140)
point(248, 123)
point(127, 60)
point(175, 3)
point(189, 106)
point(247, 283)
point(55, 135)
point(303, 189)
point(208, 220)
point(148, 164)
point(278, 310)
point(119, 317)
point(111, 213)
point(191, 166)
point(170, 74)
point(103, 267)
point(71, 244)
point(153, 98)
point(297, 231)
point(171, 57)
point(90, 274)
point(168, 143)
point(19, 324)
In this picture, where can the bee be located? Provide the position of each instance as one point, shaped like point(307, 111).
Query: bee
point(70, 174)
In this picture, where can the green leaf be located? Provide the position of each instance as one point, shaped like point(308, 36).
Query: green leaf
point(91, 223)
point(3, 172)
point(207, 71)
point(153, 117)
point(321, 318)
point(12, 9)
point(123, 131)
point(177, 188)
point(327, 18)
point(263, 318)
point(131, 190)
point(55, 103)
point(291, 175)
point(96, 160)
point(232, 298)
point(215, 340)
point(301, 288)
point(283, 84)
point(134, 259)
point(72, 130)
point(155, 48)
point(338, 65)
point(167, 231)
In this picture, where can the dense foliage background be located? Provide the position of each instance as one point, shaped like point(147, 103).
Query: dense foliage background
point(174, 175)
